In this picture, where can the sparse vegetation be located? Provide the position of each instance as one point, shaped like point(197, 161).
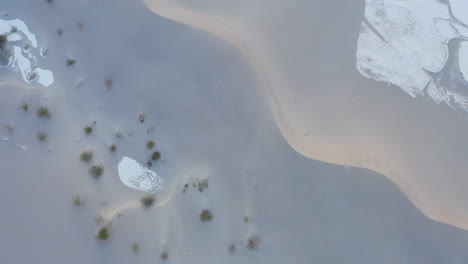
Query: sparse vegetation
point(103, 233)
point(77, 202)
point(43, 112)
point(141, 118)
point(150, 144)
point(3, 41)
point(88, 130)
point(96, 171)
point(25, 107)
point(49, 1)
point(86, 156)
point(246, 219)
point(149, 163)
point(202, 184)
point(79, 24)
point(232, 248)
point(113, 148)
point(148, 200)
point(10, 127)
point(206, 215)
point(135, 248)
point(108, 82)
point(60, 31)
point(42, 136)
point(164, 255)
point(70, 62)
point(254, 242)
point(156, 156)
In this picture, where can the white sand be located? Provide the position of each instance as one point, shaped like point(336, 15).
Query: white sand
point(387, 146)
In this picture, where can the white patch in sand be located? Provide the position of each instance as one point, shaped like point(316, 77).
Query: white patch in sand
point(22, 41)
point(405, 43)
point(136, 176)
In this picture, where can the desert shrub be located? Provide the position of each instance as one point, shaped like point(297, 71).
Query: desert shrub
point(88, 130)
point(148, 200)
point(202, 184)
point(150, 144)
point(156, 156)
point(135, 247)
point(103, 233)
point(108, 82)
point(164, 255)
point(25, 107)
point(43, 111)
point(77, 202)
point(149, 163)
point(3, 41)
point(206, 215)
point(86, 156)
point(60, 31)
point(96, 171)
point(41, 136)
point(232, 248)
point(254, 242)
point(246, 219)
point(113, 148)
point(49, 1)
point(70, 62)
point(141, 118)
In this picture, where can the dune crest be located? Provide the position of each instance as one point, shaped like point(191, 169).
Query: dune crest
point(359, 152)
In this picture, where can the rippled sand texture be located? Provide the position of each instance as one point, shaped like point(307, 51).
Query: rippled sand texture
point(303, 53)
point(209, 115)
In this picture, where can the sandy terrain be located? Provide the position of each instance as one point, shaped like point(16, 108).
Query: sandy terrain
point(207, 111)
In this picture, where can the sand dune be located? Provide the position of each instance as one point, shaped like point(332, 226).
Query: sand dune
point(353, 128)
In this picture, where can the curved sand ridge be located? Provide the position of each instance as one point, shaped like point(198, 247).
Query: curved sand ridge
point(366, 151)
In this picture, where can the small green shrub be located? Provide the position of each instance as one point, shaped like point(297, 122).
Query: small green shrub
point(25, 107)
point(88, 130)
point(96, 171)
point(232, 248)
point(70, 62)
point(43, 112)
point(148, 200)
point(3, 41)
point(135, 248)
point(103, 233)
point(77, 202)
point(41, 136)
point(86, 156)
point(149, 163)
point(254, 242)
point(60, 31)
point(150, 144)
point(206, 216)
point(156, 156)
point(113, 148)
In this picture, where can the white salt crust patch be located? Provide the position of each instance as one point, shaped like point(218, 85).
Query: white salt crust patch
point(138, 177)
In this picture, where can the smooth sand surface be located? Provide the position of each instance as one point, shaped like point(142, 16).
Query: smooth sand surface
point(210, 118)
point(326, 111)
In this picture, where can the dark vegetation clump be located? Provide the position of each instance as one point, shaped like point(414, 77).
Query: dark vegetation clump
point(149, 163)
point(43, 112)
point(49, 1)
point(88, 130)
point(60, 31)
point(150, 144)
point(25, 107)
point(202, 185)
point(96, 171)
point(3, 41)
point(141, 118)
point(206, 215)
point(108, 82)
point(86, 156)
point(77, 202)
point(113, 148)
point(254, 242)
point(156, 156)
point(41, 136)
point(148, 200)
point(164, 255)
point(103, 233)
point(70, 62)
point(79, 24)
